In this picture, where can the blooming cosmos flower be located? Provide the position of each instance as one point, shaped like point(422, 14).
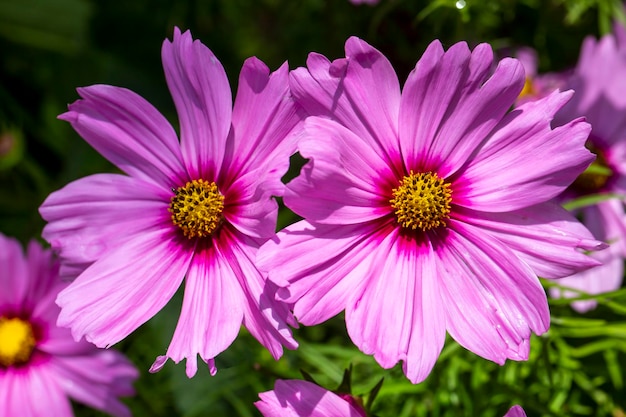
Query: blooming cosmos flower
point(600, 97)
point(197, 209)
point(41, 366)
point(295, 398)
point(427, 209)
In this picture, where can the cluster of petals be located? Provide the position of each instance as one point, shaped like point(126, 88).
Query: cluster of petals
point(116, 235)
point(601, 98)
point(296, 398)
point(475, 276)
point(53, 367)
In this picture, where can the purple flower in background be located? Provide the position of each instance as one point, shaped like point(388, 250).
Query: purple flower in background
point(197, 209)
point(41, 366)
point(295, 398)
point(515, 411)
point(537, 85)
point(600, 97)
point(428, 209)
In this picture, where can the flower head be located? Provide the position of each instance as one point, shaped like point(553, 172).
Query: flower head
point(601, 98)
point(41, 366)
point(197, 209)
point(295, 398)
point(428, 209)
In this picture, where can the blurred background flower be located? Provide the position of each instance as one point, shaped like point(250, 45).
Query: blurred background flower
point(41, 365)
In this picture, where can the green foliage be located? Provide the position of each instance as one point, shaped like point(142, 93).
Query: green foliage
point(50, 47)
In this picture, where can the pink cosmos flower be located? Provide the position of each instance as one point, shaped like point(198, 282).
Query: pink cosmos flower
point(197, 209)
point(601, 98)
point(295, 398)
point(428, 209)
point(41, 366)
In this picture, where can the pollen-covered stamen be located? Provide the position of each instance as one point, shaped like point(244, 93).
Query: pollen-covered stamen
point(422, 201)
point(197, 208)
point(17, 341)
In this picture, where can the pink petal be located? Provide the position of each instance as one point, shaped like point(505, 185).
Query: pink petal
point(319, 89)
point(344, 182)
point(265, 317)
point(129, 132)
point(603, 278)
point(14, 278)
point(261, 142)
point(125, 288)
point(58, 341)
point(528, 58)
point(321, 266)
point(93, 215)
point(607, 222)
point(202, 95)
point(506, 174)
point(97, 380)
point(294, 398)
point(43, 278)
point(597, 80)
point(249, 204)
point(32, 391)
point(546, 237)
point(515, 411)
point(374, 90)
point(212, 310)
point(493, 300)
point(399, 315)
point(450, 103)
point(264, 117)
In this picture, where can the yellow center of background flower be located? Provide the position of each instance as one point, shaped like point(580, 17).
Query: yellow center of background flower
point(528, 89)
point(17, 341)
point(595, 177)
point(422, 201)
point(197, 208)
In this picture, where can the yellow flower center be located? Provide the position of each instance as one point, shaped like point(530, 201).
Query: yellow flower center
point(595, 177)
point(197, 208)
point(422, 201)
point(17, 341)
point(528, 89)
